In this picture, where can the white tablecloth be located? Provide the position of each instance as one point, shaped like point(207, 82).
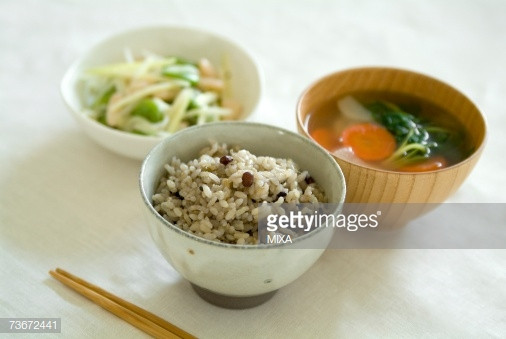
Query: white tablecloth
point(66, 202)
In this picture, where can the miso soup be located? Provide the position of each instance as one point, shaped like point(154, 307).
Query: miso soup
point(390, 131)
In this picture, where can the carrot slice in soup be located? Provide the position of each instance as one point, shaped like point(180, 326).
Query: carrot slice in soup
point(430, 164)
point(325, 138)
point(369, 142)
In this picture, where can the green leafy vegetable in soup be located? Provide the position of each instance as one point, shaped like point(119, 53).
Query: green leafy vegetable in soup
point(416, 139)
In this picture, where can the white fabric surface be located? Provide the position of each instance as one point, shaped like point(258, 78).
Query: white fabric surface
point(66, 202)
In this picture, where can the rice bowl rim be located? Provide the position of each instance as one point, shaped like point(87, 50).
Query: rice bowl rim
point(231, 124)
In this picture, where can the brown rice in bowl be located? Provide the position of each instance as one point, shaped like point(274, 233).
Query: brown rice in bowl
point(216, 196)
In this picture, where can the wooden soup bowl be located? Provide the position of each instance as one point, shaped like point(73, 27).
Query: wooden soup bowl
point(372, 185)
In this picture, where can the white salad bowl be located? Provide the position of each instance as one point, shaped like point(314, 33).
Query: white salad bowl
point(189, 43)
point(239, 276)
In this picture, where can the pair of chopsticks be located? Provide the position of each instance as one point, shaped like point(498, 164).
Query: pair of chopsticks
point(136, 316)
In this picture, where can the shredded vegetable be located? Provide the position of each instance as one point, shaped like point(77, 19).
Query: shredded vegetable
point(157, 95)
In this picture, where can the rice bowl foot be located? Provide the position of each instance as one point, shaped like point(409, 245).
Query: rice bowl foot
point(232, 302)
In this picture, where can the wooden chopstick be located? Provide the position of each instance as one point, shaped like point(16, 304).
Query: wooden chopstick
point(136, 316)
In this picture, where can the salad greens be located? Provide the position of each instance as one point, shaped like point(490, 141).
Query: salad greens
point(186, 72)
point(157, 95)
point(148, 109)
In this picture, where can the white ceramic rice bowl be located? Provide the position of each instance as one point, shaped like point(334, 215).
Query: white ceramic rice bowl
point(236, 270)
